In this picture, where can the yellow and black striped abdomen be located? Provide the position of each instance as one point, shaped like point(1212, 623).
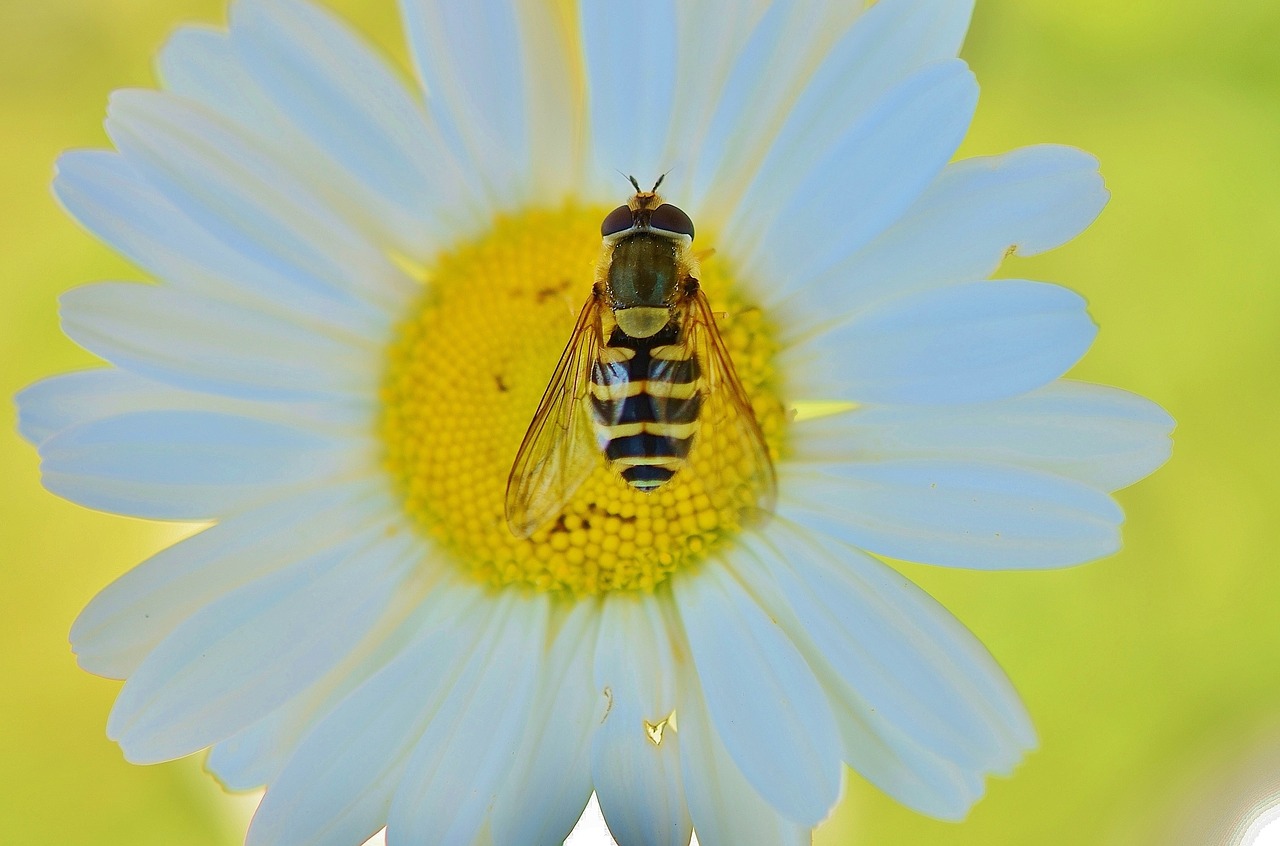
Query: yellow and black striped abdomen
point(644, 404)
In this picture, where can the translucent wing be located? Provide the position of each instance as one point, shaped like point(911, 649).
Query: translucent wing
point(559, 450)
point(730, 453)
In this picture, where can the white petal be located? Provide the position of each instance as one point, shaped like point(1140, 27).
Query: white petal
point(873, 742)
point(787, 44)
point(112, 200)
point(802, 219)
point(199, 63)
point(703, 66)
point(891, 42)
point(133, 614)
point(966, 343)
point(203, 65)
point(67, 400)
point(984, 516)
point(765, 704)
point(555, 91)
point(256, 755)
point(244, 655)
point(503, 82)
point(1101, 436)
point(976, 212)
point(907, 673)
point(892, 39)
point(176, 465)
point(637, 780)
point(1038, 197)
point(458, 765)
point(245, 196)
point(339, 784)
point(630, 111)
point(253, 757)
point(344, 98)
point(550, 782)
point(210, 346)
point(725, 809)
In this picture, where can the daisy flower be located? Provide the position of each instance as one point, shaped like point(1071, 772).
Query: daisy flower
point(361, 285)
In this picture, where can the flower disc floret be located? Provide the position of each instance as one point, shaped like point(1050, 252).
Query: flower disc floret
point(465, 375)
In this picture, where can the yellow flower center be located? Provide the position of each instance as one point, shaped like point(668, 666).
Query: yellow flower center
point(465, 375)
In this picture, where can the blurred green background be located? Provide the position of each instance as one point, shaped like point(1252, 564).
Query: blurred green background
point(1153, 676)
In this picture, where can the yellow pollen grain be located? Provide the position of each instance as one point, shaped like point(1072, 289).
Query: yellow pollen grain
point(465, 374)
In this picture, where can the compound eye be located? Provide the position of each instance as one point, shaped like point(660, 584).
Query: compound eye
point(671, 219)
point(616, 221)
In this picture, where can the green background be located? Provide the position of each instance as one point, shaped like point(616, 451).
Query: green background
point(1153, 676)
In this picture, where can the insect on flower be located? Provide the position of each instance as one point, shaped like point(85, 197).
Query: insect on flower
point(644, 366)
point(385, 622)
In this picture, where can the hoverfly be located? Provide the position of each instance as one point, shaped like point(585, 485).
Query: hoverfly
point(644, 369)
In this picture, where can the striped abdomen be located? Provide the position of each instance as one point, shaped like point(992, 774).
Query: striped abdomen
point(644, 404)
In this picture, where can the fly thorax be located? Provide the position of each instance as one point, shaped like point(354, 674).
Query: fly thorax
point(644, 270)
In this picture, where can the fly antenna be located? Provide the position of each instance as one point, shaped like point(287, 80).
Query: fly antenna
point(633, 182)
point(659, 182)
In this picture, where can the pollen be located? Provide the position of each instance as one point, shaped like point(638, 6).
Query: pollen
point(465, 374)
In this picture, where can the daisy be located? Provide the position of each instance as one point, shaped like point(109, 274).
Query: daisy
point(360, 288)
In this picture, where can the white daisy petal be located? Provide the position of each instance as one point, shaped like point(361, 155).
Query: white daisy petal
point(799, 225)
point(910, 673)
point(725, 809)
point(630, 110)
point(977, 211)
point(468, 61)
point(216, 347)
point(1037, 197)
point(966, 343)
point(787, 44)
point(703, 65)
point(955, 514)
point(635, 756)
point(239, 658)
point(344, 98)
point(1101, 436)
point(453, 775)
point(240, 193)
point(256, 755)
point(339, 783)
point(888, 757)
point(503, 85)
point(892, 39)
point(880, 745)
point(199, 62)
point(116, 321)
point(60, 402)
point(763, 700)
point(202, 64)
point(177, 465)
point(888, 44)
point(133, 614)
point(555, 90)
point(110, 198)
point(550, 780)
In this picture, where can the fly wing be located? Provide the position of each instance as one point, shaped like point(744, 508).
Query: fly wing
point(734, 455)
point(559, 451)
